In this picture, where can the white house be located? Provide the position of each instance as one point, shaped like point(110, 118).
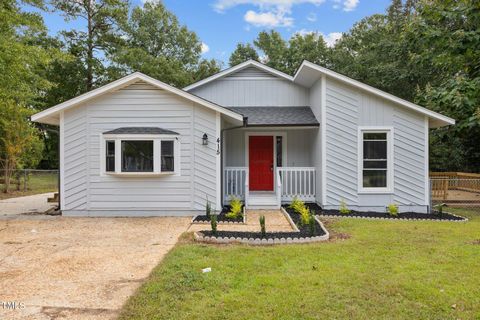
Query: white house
point(138, 146)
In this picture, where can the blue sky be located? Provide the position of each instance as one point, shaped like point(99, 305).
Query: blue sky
point(221, 24)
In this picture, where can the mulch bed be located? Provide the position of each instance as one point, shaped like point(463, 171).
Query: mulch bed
point(369, 214)
point(303, 233)
point(221, 217)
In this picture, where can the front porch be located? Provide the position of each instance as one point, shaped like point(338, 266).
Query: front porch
point(265, 168)
point(291, 182)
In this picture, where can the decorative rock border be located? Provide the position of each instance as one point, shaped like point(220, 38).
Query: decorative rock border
point(464, 219)
point(223, 222)
point(261, 241)
point(289, 219)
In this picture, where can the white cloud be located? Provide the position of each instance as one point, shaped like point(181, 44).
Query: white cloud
point(205, 48)
point(312, 17)
point(346, 5)
point(150, 1)
point(268, 19)
point(222, 5)
point(271, 13)
point(350, 5)
point(330, 38)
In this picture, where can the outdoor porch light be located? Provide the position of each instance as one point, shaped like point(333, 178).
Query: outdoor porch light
point(205, 139)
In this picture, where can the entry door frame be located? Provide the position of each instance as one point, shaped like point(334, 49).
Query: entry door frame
point(274, 135)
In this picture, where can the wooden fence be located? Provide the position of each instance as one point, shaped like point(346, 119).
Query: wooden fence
point(443, 182)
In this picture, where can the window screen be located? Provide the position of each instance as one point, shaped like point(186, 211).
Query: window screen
point(375, 160)
point(167, 159)
point(110, 156)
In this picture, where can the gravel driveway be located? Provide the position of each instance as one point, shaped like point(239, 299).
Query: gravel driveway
point(79, 268)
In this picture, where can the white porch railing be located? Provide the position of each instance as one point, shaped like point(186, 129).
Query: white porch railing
point(291, 182)
point(296, 181)
point(235, 182)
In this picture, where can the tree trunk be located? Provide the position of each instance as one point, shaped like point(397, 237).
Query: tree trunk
point(90, 46)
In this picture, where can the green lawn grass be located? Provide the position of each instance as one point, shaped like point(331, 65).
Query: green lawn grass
point(384, 270)
point(37, 182)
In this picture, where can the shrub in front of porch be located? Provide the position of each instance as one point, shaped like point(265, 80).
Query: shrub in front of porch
point(235, 208)
point(299, 207)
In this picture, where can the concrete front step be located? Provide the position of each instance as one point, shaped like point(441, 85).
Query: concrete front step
point(262, 207)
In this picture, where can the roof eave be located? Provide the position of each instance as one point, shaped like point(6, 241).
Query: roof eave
point(436, 119)
point(52, 112)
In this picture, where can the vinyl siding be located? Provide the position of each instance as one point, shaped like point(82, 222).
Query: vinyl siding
point(349, 108)
point(253, 87)
point(341, 122)
point(141, 105)
point(75, 159)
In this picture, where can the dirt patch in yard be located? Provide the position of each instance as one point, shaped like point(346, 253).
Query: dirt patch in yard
point(79, 268)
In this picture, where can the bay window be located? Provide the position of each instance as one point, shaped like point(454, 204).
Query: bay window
point(375, 174)
point(140, 154)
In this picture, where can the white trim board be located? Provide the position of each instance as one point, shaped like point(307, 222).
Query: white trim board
point(238, 67)
point(50, 113)
point(62, 161)
point(323, 139)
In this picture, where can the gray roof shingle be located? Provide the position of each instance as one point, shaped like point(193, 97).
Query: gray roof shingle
point(277, 116)
point(140, 130)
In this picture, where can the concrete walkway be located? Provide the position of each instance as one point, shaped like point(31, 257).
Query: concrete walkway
point(28, 204)
point(274, 221)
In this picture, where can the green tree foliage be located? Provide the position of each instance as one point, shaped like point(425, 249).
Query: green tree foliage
point(102, 18)
point(156, 44)
point(242, 53)
point(309, 46)
point(20, 144)
point(24, 59)
point(284, 55)
point(445, 38)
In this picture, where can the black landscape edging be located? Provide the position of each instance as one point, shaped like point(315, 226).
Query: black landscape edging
point(256, 238)
point(445, 216)
point(221, 217)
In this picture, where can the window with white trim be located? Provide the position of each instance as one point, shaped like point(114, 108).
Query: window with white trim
point(141, 154)
point(376, 162)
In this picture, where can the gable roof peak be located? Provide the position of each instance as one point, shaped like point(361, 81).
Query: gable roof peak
point(51, 115)
point(239, 67)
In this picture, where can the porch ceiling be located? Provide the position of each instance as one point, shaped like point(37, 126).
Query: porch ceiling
point(277, 116)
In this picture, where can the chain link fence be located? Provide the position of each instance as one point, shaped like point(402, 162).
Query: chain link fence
point(27, 182)
point(456, 189)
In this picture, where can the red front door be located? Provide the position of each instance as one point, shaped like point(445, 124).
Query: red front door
point(260, 157)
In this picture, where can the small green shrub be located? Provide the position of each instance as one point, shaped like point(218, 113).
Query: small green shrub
point(262, 226)
point(297, 204)
point(343, 207)
point(208, 209)
point(213, 224)
point(392, 209)
point(235, 208)
point(440, 208)
point(305, 216)
point(311, 225)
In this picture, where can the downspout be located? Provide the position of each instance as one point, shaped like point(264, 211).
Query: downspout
point(244, 125)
